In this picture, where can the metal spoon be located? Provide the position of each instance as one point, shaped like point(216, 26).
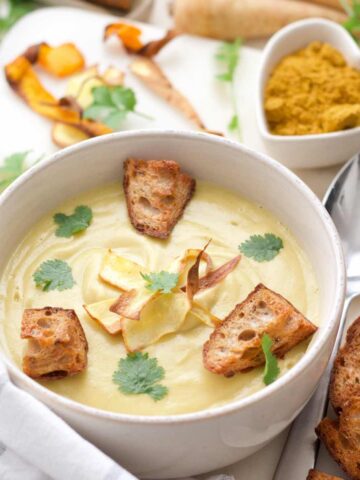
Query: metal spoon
point(342, 201)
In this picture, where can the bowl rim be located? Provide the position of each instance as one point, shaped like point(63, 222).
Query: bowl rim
point(218, 411)
point(280, 37)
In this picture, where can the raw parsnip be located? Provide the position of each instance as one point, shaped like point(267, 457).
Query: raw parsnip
point(228, 19)
point(330, 3)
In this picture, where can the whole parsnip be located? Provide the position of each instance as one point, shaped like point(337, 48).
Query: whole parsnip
point(228, 19)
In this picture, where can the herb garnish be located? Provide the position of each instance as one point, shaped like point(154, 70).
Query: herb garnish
point(161, 282)
point(262, 248)
point(71, 224)
point(352, 24)
point(137, 374)
point(228, 53)
point(111, 105)
point(17, 9)
point(54, 275)
point(14, 166)
point(272, 370)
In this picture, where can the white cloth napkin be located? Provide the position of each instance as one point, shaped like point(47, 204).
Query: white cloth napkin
point(35, 444)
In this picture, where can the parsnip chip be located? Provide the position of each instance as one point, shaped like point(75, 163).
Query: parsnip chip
point(162, 315)
point(113, 76)
point(65, 135)
point(204, 315)
point(151, 74)
point(128, 34)
point(61, 61)
point(121, 272)
point(100, 312)
point(192, 282)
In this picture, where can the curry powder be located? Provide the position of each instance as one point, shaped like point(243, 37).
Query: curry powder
point(313, 91)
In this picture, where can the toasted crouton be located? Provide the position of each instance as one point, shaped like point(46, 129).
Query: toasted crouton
point(345, 381)
point(57, 344)
point(157, 193)
point(349, 424)
point(338, 437)
point(316, 475)
point(235, 344)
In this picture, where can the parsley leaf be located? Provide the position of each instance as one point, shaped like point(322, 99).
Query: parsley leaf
point(54, 275)
point(111, 105)
point(14, 165)
point(161, 282)
point(272, 369)
point(137, 374)
point(228, 54)
point(75, 223)
point(262, 248)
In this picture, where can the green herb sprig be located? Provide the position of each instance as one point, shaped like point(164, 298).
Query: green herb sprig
point(161, 282)
point(71, 224)
point(111, 105)
point(229, 54)
point(17, 9)
point(262, 248)
point(138, 374)
point(352, 24)
point(272, 370)
point(14, 165)
point(54, 275)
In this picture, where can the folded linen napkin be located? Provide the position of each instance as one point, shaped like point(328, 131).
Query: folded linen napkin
point(35, 444)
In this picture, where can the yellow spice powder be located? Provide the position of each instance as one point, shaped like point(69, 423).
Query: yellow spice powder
point(313, 91)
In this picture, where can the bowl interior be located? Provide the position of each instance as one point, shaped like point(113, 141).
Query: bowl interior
point(222, 162)
point(295, 37)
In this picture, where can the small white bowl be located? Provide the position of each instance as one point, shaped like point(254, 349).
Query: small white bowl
point(307, 151)
point(188, 444)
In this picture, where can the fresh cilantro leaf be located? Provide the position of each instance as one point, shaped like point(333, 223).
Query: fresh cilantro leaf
point(138, 374)
point(54, 275)
point(111, 105)
point(262, 248)
point(161, 282)
point(71, 224)
point(17, 9)
point(14, 165)
point(229, 54)
point(272, 369)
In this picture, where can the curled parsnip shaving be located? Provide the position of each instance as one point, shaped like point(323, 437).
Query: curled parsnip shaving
point(212, 278)
point(130, 37)
point(192, 283)
point(100, 311)
point(204, 315)
point(162, 315)
point(130, 304)
point(151, 74)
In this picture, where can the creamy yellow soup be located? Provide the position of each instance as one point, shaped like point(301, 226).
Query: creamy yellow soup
point(213, 213)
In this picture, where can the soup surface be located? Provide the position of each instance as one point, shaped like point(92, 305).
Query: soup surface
point(213, 213)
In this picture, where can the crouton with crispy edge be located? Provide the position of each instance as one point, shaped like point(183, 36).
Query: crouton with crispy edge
point(316, 475)
point(341, 438)
point(235, 344)
point(345, 380)
point(57, 346)
point(157, 193)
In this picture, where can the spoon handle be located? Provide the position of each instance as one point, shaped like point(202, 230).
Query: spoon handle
point(301, 449)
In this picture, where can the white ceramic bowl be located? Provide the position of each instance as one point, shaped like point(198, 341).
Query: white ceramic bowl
point(172, 446)
point(307, 151)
